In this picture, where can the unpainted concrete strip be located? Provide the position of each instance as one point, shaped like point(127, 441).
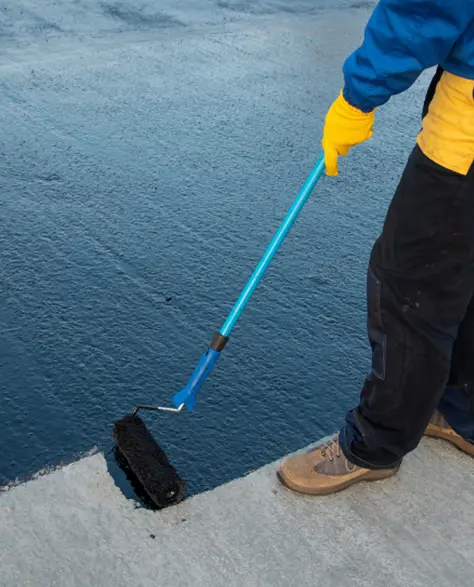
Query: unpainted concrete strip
point(74, 527)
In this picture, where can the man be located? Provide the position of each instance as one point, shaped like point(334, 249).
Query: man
point(420, 285)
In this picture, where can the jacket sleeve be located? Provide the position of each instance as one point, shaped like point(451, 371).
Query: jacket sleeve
point(401, 40)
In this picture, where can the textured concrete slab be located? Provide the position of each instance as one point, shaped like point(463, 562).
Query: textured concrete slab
point(73, 527)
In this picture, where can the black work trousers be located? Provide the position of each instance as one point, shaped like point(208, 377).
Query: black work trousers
point(420, 295)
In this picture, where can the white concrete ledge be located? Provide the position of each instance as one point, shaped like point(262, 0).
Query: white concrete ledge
point(74, 527)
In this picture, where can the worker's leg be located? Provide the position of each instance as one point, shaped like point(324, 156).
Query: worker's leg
point(420, 284)
point(457, 403)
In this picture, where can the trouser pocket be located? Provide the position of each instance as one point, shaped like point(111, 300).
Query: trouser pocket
point(377, 336)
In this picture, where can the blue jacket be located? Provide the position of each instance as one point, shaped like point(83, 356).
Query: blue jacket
point(402, 39)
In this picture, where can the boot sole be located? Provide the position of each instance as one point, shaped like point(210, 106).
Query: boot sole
point(457, 441)
point(372, 475)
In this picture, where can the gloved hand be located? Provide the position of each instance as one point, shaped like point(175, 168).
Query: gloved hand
point(345, 127)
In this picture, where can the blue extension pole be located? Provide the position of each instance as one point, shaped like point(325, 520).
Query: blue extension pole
point(273, 247)
point(188, 395)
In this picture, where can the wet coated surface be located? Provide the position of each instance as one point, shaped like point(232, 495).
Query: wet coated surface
point(147, 154)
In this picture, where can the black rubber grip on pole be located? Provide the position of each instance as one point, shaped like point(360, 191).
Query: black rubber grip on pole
point(218, 342)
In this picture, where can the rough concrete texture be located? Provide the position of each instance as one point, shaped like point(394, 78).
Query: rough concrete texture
point(74, 528)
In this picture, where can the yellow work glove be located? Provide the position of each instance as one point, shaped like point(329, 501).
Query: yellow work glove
point(345, 127)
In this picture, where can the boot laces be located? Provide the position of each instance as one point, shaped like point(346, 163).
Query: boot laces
point(332, 449)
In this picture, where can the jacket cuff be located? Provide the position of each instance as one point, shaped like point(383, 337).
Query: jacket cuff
point(354, 103)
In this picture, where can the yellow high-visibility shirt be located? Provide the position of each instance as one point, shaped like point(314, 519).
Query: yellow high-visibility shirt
point(447, 137)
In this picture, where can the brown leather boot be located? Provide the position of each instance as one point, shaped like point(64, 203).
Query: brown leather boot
point(325, 470)
point(439, 428)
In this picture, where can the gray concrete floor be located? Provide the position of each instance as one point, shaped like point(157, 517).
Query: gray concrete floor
point(73, 527)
